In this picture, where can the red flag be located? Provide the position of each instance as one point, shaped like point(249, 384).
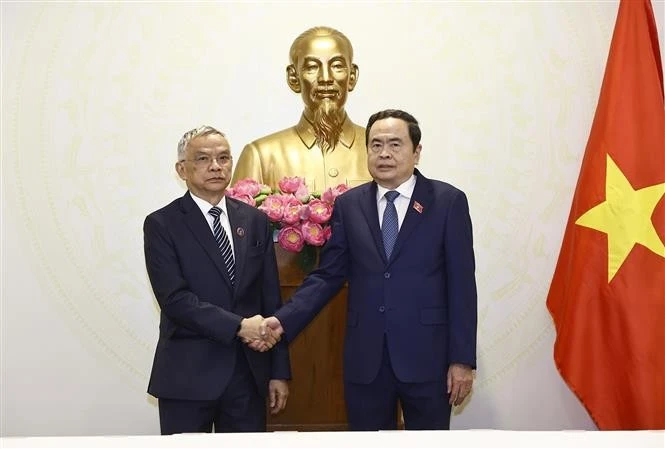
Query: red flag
point(607, 297)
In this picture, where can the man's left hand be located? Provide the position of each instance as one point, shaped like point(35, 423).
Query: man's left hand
point(278, 392)
point(459, 382)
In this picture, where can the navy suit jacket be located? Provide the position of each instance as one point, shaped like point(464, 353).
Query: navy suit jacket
point(200, 310)
point(423, 300)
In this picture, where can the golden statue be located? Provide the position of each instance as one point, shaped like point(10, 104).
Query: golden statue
point(325, 147)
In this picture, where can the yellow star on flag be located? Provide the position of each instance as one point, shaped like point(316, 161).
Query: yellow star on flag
point(625, 216)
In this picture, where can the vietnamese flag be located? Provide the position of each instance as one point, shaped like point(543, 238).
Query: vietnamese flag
point(607, 297)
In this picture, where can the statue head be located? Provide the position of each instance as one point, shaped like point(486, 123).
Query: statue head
point(323, 73)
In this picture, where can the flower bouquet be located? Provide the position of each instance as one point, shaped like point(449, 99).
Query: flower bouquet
point(299, 217)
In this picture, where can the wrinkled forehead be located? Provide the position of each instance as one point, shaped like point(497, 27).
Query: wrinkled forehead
point(323, 47)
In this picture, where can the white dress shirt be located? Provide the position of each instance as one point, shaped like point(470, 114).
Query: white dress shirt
point(401, 202)
point(223, 217)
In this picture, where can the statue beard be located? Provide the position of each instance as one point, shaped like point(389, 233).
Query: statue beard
point(327, 125)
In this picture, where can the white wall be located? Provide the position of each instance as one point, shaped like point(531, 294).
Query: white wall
point(96, 96)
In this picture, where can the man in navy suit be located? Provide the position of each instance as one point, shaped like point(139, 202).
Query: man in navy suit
point(404, 244)
point(212, 267)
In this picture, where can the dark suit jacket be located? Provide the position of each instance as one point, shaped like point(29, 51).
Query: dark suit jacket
point(200, 311)
point(423, 299)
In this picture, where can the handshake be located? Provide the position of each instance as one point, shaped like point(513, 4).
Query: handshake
point(259, 333)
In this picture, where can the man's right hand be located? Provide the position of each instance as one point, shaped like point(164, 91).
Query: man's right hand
point(269, 332)
point(255, 335)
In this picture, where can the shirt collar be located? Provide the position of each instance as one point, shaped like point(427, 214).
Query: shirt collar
point(405, 189)
point(305, 131)
point(205, 206)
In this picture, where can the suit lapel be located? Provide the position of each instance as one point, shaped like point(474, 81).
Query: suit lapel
point(371, 213)
point(199, 227)
point(239, 222)
point(424, 196)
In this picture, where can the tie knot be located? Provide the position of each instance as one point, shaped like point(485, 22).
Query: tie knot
point(391, 195)
point(215, 211)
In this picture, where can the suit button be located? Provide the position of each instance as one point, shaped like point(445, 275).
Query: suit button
point(386, 275)
point(382, 309)
point(333, 172)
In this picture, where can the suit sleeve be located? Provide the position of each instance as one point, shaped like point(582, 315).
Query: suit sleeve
point(176, 301)
point(321, 284)
point(272, 300)
point(462, 294)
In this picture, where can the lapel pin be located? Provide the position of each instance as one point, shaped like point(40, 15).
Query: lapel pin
point(418, 207)
point(240, 232)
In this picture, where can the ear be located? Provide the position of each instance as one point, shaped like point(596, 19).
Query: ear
point(417, 153)
point(180, 169)
point(353, 77)
point(292, 78)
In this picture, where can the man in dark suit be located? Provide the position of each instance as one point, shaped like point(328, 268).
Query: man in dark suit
point(212, 267)
point(404, 244)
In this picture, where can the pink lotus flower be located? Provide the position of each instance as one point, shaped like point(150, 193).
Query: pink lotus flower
point(319, 211)
point(273, 207)
point(247, 187)
point(305, 213)
point(245, 199)
point(237, 195)
point(288, 199)
point(291, 239)
point(302, 194)
point(300, 217)
point(327, 232)
point(290, 184)
point(313, 233)
point(331, 194)
point(292, 214)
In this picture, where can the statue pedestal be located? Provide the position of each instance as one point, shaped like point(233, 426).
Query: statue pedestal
point(316, 398)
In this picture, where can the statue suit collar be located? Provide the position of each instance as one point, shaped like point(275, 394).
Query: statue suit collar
point(305, 131)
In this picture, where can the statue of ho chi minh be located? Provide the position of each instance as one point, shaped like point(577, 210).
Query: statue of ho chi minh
point(325, 147)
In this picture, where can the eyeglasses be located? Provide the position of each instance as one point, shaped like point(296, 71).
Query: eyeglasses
point(205, 161)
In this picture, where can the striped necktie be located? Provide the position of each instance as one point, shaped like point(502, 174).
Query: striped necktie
point(223, 243)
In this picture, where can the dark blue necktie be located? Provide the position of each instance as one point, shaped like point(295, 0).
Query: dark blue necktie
point(223, 243)
point(389, 224)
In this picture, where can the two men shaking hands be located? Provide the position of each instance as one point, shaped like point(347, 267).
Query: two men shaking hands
point(260, 333)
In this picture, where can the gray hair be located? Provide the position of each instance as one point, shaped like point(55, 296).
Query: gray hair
point(192, 134)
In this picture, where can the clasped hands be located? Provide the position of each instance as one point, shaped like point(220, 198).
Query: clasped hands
point(259, 333)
